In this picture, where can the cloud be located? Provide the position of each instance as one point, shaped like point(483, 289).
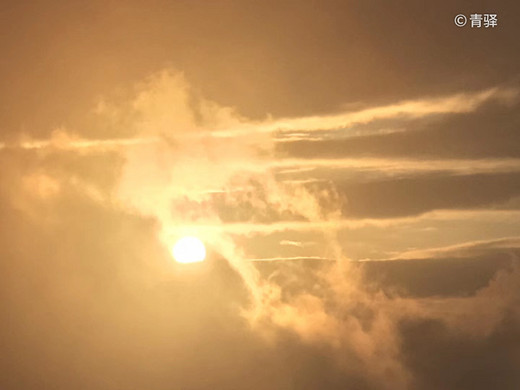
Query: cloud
point(324, 169)
point(441, 216)
point(91, 287)
point(98, 187)
point(297, 243)
point(486, 132)
point(408, 196)
point(361, 320)
point(452, 360)
point(458, 103)
point(464, 249)
point(190, 177)
point(292, 258)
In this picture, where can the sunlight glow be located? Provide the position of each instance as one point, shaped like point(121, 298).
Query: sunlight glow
point(189, 250)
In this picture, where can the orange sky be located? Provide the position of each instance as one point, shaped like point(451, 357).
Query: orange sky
point(353, 170)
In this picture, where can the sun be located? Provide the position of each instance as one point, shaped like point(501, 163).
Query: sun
point(189, 250)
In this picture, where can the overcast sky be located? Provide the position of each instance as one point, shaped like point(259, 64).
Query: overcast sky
point(353, 169)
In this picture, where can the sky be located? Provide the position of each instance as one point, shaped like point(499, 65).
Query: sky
point(352, 168)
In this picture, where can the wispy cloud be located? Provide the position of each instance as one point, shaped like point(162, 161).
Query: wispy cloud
point(292, 258)
point(297, 244)
point(298, 127)
point(398, 166)
point(251, 228)
point(62, 140)
point(465, 249)
point(224, 122)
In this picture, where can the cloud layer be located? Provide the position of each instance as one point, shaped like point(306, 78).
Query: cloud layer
point(95, 301)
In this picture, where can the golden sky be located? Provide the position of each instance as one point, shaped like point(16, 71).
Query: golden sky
point(352, 168)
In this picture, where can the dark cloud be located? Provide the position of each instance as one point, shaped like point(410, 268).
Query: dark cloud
point(436, 277)
point(443, 358)
point(411, 196)
point(269, 57)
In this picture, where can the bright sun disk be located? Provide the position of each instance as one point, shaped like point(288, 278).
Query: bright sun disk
point(189, 250)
